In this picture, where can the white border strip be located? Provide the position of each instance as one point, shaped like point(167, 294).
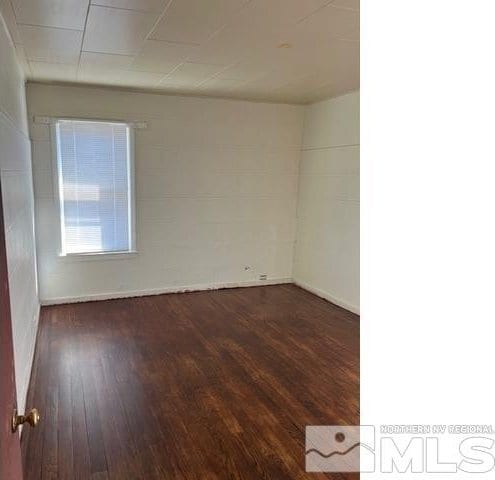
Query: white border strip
point(328, 296)
point(43, 120)
point(160, 291)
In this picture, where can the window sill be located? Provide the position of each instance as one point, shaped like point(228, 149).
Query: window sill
point(91, 257)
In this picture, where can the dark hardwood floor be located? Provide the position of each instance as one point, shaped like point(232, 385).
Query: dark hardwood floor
point(206, 385)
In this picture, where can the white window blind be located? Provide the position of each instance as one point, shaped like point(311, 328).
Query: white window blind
point(94, 178)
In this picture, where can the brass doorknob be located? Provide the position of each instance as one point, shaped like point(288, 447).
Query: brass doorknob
point(33, 418)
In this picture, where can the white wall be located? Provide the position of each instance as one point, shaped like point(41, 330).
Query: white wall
point(326, 259)
point(216, 185)
point(18, 210)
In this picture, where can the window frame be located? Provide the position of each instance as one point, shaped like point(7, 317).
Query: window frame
point(57, 192)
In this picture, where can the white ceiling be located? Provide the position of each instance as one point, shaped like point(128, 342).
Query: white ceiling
point(277, 50)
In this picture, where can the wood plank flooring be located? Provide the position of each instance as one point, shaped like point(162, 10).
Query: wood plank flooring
point(206, 385)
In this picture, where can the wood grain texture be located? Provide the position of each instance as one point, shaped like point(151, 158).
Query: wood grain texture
point(206, 385)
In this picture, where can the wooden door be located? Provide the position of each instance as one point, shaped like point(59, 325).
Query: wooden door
point(10, 449)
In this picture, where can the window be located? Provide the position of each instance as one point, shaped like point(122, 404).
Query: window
point(95, 181)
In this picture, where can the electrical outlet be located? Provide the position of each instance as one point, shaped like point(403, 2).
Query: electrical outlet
point(263, 277)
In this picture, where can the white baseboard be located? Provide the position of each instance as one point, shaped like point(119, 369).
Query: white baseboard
point(160, 291)
point(199, 288)
point(328, 296)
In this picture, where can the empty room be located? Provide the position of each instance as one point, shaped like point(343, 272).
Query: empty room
point(179, 241)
